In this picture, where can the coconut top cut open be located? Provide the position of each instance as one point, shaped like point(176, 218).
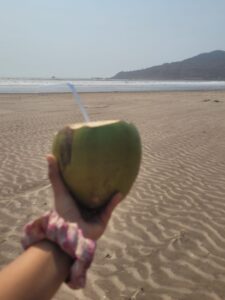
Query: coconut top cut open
point(93, 124)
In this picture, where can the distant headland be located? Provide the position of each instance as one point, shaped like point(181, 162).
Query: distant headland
point(205, 66)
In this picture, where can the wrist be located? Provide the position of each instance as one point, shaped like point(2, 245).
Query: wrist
point(52, 251)
point(68, 237)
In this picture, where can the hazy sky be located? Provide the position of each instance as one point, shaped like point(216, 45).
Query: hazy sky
point(91, 38)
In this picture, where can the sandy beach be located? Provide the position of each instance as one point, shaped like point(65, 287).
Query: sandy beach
point(166, 240)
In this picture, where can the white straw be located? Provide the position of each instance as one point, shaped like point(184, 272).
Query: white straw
point(79, 102)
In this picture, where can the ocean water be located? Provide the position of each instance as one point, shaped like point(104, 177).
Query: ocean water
point(60, 86)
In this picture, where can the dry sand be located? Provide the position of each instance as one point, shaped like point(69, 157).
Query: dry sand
point(167, 239)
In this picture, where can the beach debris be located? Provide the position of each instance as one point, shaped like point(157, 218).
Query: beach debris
point(137, 293)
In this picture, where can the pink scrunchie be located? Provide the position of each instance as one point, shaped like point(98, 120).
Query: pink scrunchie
point(68, 237)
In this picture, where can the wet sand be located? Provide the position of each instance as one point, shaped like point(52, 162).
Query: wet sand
point(167, 239)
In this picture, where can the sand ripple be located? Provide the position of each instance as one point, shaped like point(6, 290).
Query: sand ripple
point(167, 239)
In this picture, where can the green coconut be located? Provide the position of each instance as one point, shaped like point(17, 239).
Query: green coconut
point(98, 159)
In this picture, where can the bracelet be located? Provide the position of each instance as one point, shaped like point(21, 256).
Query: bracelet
point(68, 237)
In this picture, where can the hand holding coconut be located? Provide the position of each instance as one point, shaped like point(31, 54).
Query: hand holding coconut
point(97, 159)
point(67, 208)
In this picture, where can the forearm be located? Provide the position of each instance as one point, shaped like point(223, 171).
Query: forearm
point(36, 274)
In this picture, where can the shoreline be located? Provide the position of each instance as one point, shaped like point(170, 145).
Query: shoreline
point(117, 92)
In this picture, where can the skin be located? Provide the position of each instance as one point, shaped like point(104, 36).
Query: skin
point(41, 269)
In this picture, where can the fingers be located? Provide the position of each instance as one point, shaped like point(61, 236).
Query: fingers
point(63, 202)
point(54, 175)
point(110, 207)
